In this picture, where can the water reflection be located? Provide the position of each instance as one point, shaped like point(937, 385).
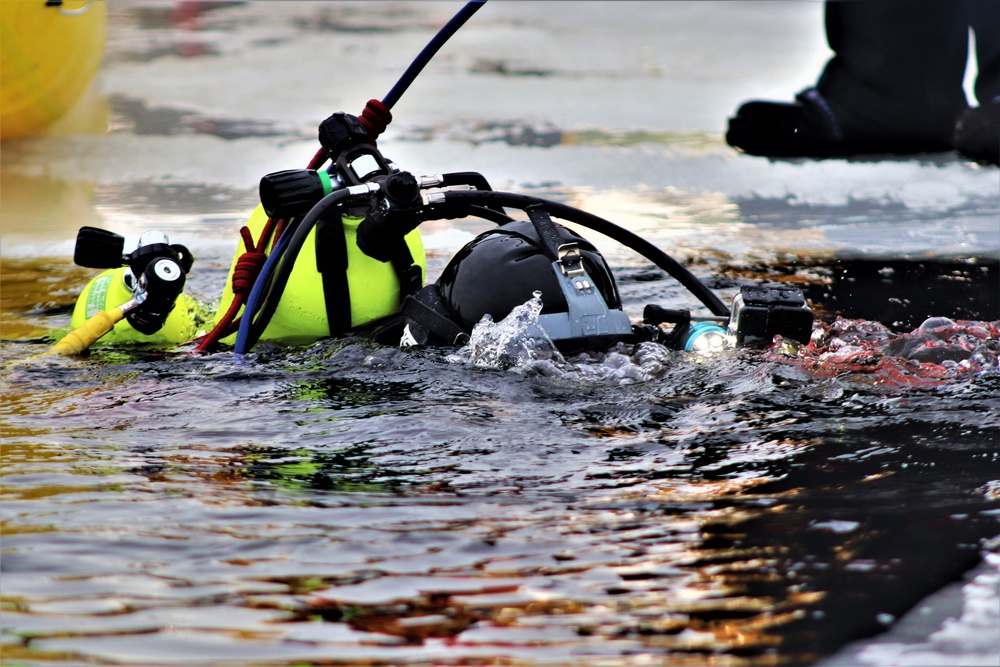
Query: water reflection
point(903, 293)
point(350, 469)
point(40, 210)
point(349, 504)
point(134, 116)
point(840, 534)
point(356, 503)
point(519, 132)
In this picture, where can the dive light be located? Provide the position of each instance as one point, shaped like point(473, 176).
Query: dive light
point(705, 338)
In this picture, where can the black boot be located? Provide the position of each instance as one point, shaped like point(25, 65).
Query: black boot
point(809, 127)
point(977, 134)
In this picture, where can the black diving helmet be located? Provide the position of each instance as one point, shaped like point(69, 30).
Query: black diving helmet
point(504, 267)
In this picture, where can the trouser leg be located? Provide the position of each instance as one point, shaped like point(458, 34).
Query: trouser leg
point(898, 67)
point(984, 17)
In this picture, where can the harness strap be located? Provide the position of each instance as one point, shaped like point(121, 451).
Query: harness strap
point(408, 272)
point(547, 232)
point(331, 262)
point(426, 309)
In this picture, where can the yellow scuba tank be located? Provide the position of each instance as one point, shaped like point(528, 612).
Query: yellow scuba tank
point(301, 314)
point(49, 53)
point(111, 289)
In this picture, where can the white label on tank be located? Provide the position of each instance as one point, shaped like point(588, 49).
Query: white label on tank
point(98, 294)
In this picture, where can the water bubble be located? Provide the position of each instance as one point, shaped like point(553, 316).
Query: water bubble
point(936, 324)
point(520, 344)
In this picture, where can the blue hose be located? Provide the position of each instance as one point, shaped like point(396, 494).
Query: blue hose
point(432, 47)
point(277, 268)
point(259, 287)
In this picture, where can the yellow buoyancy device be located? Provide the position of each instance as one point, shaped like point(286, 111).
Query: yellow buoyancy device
point(49, 53)
point(110, 289)
point(301, 314)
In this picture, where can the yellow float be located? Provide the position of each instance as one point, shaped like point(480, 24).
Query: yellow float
point(50, 51)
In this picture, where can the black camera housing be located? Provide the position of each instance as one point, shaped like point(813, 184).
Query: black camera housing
point(761, 312)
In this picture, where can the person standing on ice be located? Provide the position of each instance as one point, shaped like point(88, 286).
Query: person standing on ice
point(893, 86)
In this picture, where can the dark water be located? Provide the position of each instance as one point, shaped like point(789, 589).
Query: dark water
point(344, 503)
point(348, 503)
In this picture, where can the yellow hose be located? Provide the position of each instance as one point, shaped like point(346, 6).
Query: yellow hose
point(80, 339)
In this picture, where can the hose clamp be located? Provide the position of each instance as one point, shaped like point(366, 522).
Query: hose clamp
point(363, 190)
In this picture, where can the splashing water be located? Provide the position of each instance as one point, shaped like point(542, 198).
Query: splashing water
point(514, 342)
point(939, 350)
point(519, 344)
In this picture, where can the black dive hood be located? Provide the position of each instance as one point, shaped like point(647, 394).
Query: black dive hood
point(505, 267)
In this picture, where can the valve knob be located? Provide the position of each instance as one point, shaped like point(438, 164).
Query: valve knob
point(291, 193)
point(340, 132)
point(98, 249)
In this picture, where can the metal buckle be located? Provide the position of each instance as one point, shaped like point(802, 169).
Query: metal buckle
point(570, 261)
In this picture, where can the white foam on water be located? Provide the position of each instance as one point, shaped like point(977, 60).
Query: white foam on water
point(514, 342)
point(20, 246)
point(519, 344)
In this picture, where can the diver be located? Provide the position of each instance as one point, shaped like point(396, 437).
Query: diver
point(337, 252)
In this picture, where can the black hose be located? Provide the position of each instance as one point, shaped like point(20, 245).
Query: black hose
point(473, 178)
point(598, 224)
point(287, 263)
point(424, 57)
point(489, 214)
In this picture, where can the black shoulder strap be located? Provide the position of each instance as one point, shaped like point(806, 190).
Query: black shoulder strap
point(547, 232)
point(331, 262)
point(408, 272)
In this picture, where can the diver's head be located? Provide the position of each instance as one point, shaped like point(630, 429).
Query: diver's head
point(503, 268)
